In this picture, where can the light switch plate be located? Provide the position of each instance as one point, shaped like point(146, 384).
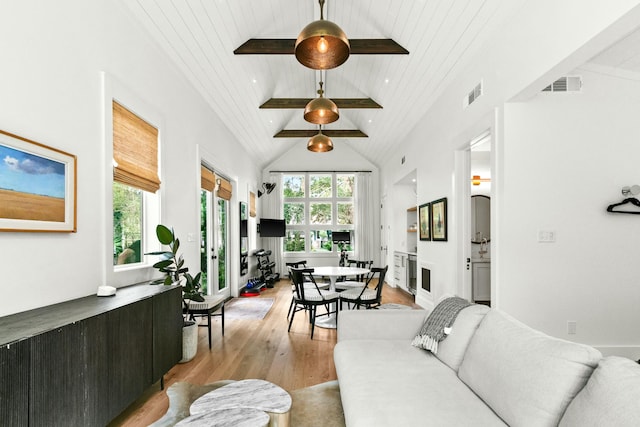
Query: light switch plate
point(546, 236)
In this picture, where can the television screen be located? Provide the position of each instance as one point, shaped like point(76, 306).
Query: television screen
point(341, 236)
point(272, 227)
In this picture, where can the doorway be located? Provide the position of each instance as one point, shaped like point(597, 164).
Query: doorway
point(214, 242)
point(478, 217)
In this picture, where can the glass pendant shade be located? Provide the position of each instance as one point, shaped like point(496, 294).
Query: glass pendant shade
point(321, 110)
point(320, 143)
point(322, 45)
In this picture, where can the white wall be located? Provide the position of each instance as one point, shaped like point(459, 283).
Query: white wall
point(534, 49)
point(566, 158)
point(53, 57)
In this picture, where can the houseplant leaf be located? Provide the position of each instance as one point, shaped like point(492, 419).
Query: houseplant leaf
point(165, 235)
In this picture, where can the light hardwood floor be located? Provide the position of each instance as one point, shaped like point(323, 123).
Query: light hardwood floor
point(254, 349)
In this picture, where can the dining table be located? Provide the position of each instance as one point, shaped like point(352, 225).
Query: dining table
point(333, 272)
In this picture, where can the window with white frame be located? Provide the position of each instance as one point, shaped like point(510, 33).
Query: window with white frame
point(315, 205)
point(135, 183)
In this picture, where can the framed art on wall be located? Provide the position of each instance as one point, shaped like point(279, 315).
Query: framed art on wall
point(424, 221)
point(37, 186)
point(439, 220)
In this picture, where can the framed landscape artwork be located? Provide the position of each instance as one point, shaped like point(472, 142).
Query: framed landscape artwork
point(37, 186)
point(439, 220)
point(424, 221)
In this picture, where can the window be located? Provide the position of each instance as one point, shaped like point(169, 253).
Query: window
point(135, 182)
point(315, 205)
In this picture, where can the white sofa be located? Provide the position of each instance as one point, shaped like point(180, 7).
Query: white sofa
point(490, 371)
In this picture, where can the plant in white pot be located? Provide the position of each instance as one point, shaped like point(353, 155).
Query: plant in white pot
point(175, 273)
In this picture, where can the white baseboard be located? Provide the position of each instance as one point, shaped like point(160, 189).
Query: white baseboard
point(631, 352)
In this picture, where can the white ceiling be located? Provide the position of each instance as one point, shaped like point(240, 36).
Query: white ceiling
point(624, 55)
point(201, 35)
point(441, 36)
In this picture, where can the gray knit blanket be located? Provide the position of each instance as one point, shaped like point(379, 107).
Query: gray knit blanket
point(438, 324)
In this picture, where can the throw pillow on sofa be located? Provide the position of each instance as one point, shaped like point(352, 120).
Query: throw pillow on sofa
point(611, 396)
point(526, 377)
point(451, 351)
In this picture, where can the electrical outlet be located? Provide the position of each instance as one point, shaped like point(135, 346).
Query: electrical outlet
point(191, 237)
point(572, 326)
point(546, 236)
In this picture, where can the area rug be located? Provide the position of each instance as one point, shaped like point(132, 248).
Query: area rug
point(394, 306)
point(315, 406)
point(247, 308)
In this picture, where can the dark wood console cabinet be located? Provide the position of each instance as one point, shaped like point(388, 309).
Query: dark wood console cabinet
point(82, 362)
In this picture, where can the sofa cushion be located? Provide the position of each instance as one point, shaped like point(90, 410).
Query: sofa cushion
point(611, 396)
point(391, 383)
point(451, 350)
point(526, 377)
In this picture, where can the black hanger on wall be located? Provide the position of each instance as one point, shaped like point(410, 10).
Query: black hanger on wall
point(630, 200)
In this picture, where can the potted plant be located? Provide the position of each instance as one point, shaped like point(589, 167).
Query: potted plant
point(175, 273)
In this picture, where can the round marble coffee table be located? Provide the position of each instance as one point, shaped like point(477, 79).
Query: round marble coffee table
point(248, 394)
point(237, 417)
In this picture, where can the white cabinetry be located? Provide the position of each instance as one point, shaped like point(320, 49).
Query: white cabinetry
point(481, 281)
point(400, 270)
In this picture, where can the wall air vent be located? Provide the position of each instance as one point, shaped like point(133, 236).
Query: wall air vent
point(565, 84)
point(473, 95)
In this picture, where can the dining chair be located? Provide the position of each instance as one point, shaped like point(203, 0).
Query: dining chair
point(310, 297)
point(366, 295)
point(344, 283)
point(308, 284)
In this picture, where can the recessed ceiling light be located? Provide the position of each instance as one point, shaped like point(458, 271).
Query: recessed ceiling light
point(254, 81)
point(370, 121)
point(386, 80)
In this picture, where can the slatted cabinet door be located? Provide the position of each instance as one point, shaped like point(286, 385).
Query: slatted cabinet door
point(14, 384)
point(167, 331)
point(57, 378)
point(130, 343)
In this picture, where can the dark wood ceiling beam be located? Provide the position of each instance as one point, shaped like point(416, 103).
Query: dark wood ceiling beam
point(331, 133)
point(299, 103)
point(287, 46)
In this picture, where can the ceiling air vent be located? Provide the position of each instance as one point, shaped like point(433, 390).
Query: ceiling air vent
point(473, 95)
point(565, 84)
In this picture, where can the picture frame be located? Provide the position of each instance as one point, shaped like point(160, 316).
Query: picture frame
point(38, 186)
point(424, 221)
point(439, 220)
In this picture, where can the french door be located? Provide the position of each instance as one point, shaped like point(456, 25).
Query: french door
point(214, 229)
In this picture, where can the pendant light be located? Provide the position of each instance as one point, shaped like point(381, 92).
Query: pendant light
point(321, 110)
point(322, 45)
point(320, 143)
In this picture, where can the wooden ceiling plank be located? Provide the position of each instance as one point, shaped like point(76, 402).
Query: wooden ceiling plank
point(287, 46)
point(331, 133)
point(297, 103)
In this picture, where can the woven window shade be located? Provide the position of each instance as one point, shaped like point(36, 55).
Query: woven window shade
point(224, 189)
point(252, 204)
point(135, 150)
point(207, 179)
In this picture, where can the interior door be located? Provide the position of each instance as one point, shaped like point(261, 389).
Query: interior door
point(214, 230)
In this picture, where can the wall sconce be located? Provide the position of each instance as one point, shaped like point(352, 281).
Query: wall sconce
point(476, 180)
point(267, 188)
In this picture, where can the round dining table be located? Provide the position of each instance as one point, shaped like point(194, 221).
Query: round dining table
point(329, 322)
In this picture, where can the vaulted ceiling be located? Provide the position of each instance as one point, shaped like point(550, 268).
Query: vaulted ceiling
point(441, 36)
